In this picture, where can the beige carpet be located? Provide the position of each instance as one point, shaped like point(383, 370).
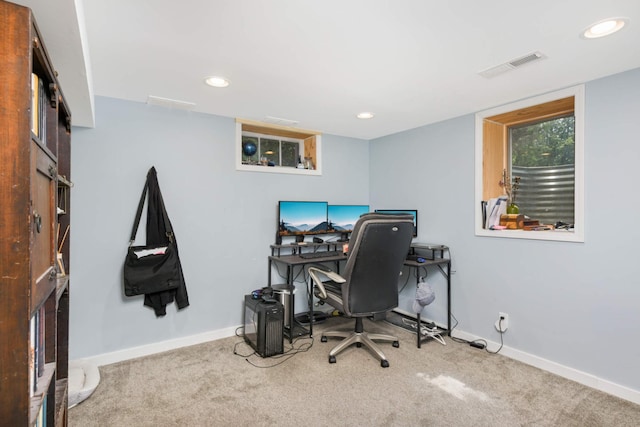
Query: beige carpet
point(452, 385)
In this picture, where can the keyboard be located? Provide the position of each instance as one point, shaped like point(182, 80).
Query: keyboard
point(320, 254)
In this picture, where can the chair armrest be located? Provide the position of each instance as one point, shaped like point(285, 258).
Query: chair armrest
point(331, 275)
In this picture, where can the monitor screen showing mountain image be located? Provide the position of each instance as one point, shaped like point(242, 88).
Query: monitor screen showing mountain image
point(297, 218)
point(342, 218)
point(413, 212)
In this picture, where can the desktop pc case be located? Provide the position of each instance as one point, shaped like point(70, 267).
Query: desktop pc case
point(263, 326)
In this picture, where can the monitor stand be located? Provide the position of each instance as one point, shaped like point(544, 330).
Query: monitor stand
point(299, 238)
point(344, 237)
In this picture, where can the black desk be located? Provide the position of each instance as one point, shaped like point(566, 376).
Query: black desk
point(291, 262)
point(294, 260)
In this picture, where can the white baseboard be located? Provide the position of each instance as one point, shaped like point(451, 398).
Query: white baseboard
point(567, 372)
point(580, 377)
point(159, 347)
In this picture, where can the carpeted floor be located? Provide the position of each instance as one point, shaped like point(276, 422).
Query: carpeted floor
point(221, 384)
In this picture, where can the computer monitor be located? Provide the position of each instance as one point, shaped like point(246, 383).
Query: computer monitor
point(342, 218)
point(299, 218)
point(413, 212)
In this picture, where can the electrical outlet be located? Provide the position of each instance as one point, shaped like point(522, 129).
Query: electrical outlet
point(503, 322)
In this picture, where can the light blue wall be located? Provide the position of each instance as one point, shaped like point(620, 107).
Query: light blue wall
point(224, 220)
point(576, 304)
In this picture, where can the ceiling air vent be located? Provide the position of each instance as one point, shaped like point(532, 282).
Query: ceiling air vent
point(170, 103)
point(511, 65)
point(280, 121)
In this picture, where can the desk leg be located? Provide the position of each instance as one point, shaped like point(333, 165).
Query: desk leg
point(291, 297)
point(449, 298)
point(418, 324)
point(310, 303)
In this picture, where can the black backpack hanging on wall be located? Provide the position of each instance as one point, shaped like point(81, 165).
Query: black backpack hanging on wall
point(154, 269)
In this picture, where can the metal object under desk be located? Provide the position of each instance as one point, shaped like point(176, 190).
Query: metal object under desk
point(292, 261)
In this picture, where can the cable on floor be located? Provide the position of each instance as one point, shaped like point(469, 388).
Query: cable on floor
point(479, 341)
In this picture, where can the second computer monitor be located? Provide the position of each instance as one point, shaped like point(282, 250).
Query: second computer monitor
point(342, 218)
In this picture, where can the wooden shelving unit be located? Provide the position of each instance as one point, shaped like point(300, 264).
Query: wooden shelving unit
point(35, 178)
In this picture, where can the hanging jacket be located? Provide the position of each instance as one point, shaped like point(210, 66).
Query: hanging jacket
point(157, 234)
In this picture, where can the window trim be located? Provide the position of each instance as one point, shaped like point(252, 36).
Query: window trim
point(577, 235)
point(312, 141)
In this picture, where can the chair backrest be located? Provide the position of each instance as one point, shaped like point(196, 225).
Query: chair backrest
point(378, 246)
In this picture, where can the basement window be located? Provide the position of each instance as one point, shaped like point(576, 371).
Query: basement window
point(538, 142)
point(263, 147)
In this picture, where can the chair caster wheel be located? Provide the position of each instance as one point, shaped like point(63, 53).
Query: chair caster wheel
point(323, 339)
point(332, 359)
point(384, 363)
point(358, 344)
point(396, 344)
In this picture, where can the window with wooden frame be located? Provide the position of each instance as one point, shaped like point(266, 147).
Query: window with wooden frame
point(264, 147)
point(541, 142)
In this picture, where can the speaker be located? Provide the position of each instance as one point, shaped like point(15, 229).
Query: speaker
point(263, 325)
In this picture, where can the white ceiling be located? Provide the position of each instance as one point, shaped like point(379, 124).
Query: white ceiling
point(319, 63)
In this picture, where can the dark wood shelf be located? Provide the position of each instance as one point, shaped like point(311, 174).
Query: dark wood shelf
point(42, 388)
point(62, 401)
point(62, 284)
point(35, 153)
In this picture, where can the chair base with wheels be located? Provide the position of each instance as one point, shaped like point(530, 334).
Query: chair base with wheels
point(360, 337)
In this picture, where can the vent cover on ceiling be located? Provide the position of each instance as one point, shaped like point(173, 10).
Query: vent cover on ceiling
point(279, 121)
point(170, 103)
point(511, 65)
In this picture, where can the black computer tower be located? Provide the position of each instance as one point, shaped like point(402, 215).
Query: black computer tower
point(263, 325)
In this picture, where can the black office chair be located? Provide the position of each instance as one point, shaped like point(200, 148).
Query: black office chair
point(369, 284)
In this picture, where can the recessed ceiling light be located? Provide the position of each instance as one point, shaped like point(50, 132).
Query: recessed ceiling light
point(604, 28)
point(216, 81)
point(365, 115)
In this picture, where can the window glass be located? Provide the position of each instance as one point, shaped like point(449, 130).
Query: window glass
point(273, 148)
point(290, 152)
point(531, 153)
point(543, 158)
point(250, 150)
point(270, 151)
